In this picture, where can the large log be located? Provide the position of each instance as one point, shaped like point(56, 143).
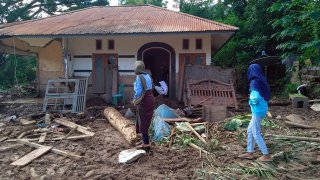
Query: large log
point(122, 124)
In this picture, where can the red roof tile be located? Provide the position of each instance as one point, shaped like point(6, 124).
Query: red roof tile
point(114, 20)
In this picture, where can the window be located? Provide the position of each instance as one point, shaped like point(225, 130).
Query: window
point(98, 44)
point(111, 44)
point(185, 44)
point(198, 43)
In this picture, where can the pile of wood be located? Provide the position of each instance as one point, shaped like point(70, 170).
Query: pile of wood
point(34, 137)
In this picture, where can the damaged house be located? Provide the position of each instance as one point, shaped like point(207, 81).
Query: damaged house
point(102, 44)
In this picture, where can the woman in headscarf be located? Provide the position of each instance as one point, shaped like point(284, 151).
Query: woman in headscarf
point(144, 100)
point(258, 101)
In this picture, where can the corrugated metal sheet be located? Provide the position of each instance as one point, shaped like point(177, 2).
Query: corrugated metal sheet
point(114, 20)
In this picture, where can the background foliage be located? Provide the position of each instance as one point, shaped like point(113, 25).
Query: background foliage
point(279, 27)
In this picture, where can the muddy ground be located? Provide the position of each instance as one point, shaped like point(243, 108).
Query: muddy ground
point(101, 152)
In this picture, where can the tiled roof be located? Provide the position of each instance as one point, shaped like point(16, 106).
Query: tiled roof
point(114, 20)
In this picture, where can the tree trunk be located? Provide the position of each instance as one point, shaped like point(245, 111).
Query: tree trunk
point(123, 125)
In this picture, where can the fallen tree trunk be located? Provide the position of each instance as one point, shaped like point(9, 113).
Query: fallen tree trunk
point(296, 138)
point(122, 124)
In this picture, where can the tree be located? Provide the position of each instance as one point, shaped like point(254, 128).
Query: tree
point(297, 27)
point(159, 3)
point(18, 10)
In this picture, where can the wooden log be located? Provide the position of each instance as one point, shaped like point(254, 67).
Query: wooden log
point(53, 150)
point(31, 156)
point(299, 138)
point(198, 148)
point(73, 125)
point(298, 125)
point(122, 124)
point(195, 132)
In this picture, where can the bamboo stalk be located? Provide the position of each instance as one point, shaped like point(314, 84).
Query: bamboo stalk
point(198, 148)
point(195, 132)
point(295, 138)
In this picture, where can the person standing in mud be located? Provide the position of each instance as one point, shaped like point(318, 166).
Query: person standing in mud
point(144, 101)
point(258, 101)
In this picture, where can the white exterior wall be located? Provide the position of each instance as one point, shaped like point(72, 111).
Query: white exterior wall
point(129, 45)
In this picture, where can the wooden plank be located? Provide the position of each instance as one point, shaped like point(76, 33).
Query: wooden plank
point(72, 137)
point(31, 156)
point(42, 137)
point(72, 130)
point(7, 148)
point(73, 125)
point(53, 150)
point(27, 122)
point(3, 139)
point(181, 78)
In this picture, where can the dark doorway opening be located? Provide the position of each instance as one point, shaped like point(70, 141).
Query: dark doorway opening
point(155, 49)
point(157, 60)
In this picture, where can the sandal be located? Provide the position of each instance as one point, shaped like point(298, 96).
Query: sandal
point(248, 156)
point(265, 159)
point(138, 143)
point(145, 147)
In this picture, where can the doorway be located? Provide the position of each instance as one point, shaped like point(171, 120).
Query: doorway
point(157, 55)
point(157, 60)
point(103, 75)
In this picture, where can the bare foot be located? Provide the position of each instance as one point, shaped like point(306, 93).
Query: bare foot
point(265, 158)
point(246, 156)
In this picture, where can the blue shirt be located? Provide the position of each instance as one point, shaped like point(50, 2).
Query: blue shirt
point(259, 107)
point(137, 85)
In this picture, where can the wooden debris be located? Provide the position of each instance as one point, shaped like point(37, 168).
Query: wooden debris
point(298, 125)
point(3, 139)
point(73, 125)
point(72, 130)
point(122, 124)
point(171, 136)
point(27, 122)
point(7, 148)
point(182, 119)
point(295, 138)
point(31, 156)
point(198, 148)
point(72, 137)
point(195, 132)
point(53, 150)
point(316, 107)
point(42, 137)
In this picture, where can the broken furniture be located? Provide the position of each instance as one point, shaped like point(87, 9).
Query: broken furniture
point(208, 85)
point(119, 95)
point(66, 95)
point(299, 101)
point(220, 93)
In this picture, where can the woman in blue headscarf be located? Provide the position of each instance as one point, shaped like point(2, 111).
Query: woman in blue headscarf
point(258, 101)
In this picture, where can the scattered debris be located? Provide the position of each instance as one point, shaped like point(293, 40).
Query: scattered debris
point(31, 156)
point(130, 155)
point(295, 118)
point(316, 107)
